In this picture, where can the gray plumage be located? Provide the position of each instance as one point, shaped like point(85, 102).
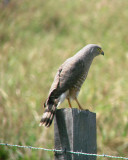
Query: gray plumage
point(68, 81)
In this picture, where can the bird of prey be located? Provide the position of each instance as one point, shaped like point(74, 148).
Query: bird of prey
point(68, 81)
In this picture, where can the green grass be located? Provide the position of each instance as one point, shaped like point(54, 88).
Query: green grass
point(35, 38)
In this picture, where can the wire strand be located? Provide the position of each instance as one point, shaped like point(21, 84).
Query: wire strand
point(61, 151)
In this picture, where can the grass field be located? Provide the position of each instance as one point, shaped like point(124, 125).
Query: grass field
point(35, 38)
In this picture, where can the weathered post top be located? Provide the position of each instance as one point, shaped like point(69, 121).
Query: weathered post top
point(75, 130)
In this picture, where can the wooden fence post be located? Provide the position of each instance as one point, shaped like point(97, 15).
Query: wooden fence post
point(75, 130)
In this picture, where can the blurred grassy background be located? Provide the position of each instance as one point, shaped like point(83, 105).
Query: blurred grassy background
point(35, 38)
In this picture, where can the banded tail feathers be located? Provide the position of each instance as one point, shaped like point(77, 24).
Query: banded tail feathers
point(48, 115)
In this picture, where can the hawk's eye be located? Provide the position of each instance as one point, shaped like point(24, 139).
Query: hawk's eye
point(99, 49)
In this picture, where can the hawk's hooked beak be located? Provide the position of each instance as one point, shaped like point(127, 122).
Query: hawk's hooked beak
point(102, 52)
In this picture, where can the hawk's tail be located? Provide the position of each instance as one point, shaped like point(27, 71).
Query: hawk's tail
point(48, 115)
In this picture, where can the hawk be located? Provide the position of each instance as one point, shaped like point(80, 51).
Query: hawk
point(68, 81)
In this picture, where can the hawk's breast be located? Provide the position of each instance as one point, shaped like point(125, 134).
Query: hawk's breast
point(74, 91)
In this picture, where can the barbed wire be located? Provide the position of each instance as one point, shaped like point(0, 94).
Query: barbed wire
point(62, 151)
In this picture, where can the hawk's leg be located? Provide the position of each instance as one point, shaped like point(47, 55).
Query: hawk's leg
point(69, 102)
point(78, 104)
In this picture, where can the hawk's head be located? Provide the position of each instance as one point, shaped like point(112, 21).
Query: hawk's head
point(95, 49)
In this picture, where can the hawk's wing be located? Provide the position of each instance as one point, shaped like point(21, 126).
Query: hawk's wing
point(67, 76)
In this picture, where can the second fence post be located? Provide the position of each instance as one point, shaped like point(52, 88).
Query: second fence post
point(75, 130)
